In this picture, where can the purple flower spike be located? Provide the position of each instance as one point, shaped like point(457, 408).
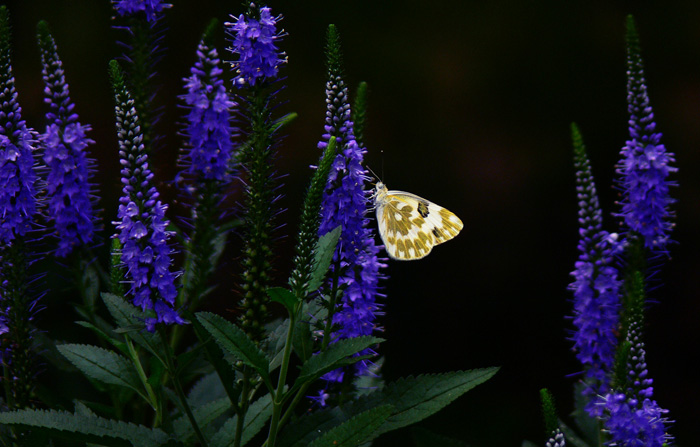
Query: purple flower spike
point(254, 44)
point(17, 144)
point(645, 164)
point(209, 120)
point(142, 224)
point(69, 191)
point(634, 424)
point(152, 8)
point(346, 203)
point(596, 286)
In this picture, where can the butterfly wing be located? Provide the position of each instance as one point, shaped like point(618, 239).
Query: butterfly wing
point(410, 226)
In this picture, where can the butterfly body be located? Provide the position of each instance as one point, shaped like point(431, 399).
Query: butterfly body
point(410, 226)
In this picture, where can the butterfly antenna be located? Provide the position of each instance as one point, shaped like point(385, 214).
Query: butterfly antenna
point(373, 173)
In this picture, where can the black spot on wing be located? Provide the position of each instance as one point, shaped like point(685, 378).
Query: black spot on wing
point(423, 209)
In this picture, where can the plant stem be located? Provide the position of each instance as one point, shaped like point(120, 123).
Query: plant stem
point(278, 398)
point(153, 400)
point(170, 366)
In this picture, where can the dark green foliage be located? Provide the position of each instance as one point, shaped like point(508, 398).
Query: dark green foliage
point(359, 113)
point(413, 399)
point(308, 227)
point(548, 411)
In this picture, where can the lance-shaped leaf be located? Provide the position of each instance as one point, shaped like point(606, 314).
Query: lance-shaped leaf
point(234, 341)
point(131, 321)
point(204, 416)
point(255, 419)
point(359, 429)
point(81, 428)
point(336, 355)
point(104, 366)
point(284, 297)
point(323, 257)
point(413, 399)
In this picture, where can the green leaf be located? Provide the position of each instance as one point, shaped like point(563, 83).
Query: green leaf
point(102, 365)
point(423, 437)
point(413, 399)
point(204, 416)
point(100, 333)
point(336, 355)
point(276, 339)
point(325, 247)
point(255, 419)
point(234, 341)
point(284, 297)
point(78, 428)
point(358, 429)
point(303, 340)
point(131, 320)
point(208, 388)
point(215, 356)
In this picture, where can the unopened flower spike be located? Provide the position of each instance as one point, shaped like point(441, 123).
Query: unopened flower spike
point(631, 415)
point(596, 287)
point(18, 209)
point(645, 164)
point(69, 192)
point(142, 223)
point(555, 436)
point(356, 265)
point(141, 21)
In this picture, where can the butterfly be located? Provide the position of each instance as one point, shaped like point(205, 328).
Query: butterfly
point(411, 226)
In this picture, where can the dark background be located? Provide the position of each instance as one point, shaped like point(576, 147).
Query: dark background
point(470, 106)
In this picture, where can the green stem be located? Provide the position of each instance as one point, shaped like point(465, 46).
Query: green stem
point(242, 407)
point(278, 397)
point(170, 365)
point(152, 399)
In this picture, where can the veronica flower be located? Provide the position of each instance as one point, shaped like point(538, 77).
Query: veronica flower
point(64, 140)
point(256, 63)
point(633, 418)
point(18, 206)
point(140, 20)
point(345, 203)
point(142, 225)
point(151, 8)
point(254, 44)
point(645, 165)
point(596, 286)
point(209, 129)
point(17, 144)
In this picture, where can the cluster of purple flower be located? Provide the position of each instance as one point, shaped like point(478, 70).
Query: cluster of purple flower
point(631, 416)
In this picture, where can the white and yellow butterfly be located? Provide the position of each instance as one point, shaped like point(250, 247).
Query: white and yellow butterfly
point(411, 226)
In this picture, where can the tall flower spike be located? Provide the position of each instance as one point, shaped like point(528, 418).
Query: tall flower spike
point(142, 225)
point(209, 130)
point(205, 162)
point(596, 287)
point(345, 204)
point(69, 191)
point(645, 164)
point(17, 176)
point(258, 57)
point(255, 64)
point(141, 21)
point(18, 205)
point(632, 417)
